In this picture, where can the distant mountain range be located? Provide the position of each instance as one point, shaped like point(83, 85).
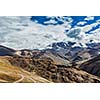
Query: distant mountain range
point(60, 63)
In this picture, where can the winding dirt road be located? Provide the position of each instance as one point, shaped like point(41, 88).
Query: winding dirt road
point(19, 80)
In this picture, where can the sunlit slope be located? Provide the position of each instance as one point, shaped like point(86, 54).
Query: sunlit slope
point(9, 73)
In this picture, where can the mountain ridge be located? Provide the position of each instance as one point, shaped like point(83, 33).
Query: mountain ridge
point(50, 65)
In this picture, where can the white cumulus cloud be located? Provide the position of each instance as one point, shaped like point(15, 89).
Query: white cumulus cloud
point(81, 23)
point(89, 18)
point(21, 32)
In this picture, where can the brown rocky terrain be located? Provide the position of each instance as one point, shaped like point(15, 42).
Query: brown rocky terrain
point(48, 69)
point(47, 66)
point(14, 74)
point(92, 66)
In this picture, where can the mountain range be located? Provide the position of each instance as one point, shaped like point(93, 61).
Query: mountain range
point(60, 65)
point(59, 49)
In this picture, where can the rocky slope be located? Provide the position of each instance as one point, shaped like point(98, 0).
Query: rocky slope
point(92, 66)
point(47, 66)
point(14, 74)
point(48, 69)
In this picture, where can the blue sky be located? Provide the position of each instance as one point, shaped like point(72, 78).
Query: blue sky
point(76, 19)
